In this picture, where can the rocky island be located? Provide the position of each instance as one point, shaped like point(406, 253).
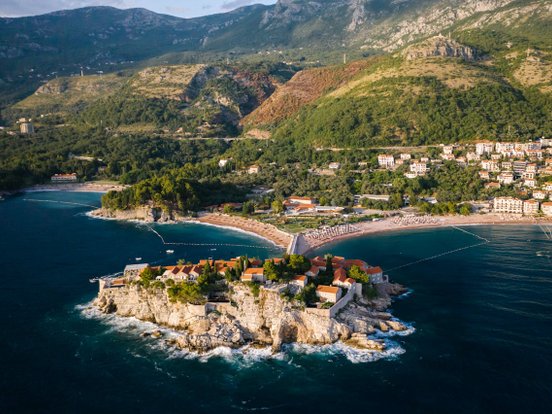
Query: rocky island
point(243, 301)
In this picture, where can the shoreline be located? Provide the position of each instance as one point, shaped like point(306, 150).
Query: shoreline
point(387, 226)
point(87, 187)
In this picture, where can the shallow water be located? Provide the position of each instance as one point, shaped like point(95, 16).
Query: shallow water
point(482, 318)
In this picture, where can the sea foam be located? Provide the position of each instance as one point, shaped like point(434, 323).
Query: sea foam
point(247, 355)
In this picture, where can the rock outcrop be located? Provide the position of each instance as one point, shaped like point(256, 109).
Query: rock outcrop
point(146, 214)
point(439, 46)
point(268, 319)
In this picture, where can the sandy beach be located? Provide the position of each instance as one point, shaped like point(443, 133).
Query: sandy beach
point(264, 230)
point(88, 187)
point(306, 244)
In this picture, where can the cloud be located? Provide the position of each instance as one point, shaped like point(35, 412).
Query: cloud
point(234, 4)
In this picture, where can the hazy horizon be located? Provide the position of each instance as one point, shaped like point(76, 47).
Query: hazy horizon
point(178, 8)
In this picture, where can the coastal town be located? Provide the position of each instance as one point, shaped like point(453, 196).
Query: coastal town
point(244, 300)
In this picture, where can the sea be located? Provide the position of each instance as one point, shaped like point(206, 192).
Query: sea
point(479, 312)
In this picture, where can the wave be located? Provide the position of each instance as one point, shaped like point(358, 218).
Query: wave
point(247, 355)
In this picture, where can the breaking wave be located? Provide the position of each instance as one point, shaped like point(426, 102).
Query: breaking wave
point(247, 355)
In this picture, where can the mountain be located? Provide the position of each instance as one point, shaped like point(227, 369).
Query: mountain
point(195, 100)
point(435, 91)
point(34, 49)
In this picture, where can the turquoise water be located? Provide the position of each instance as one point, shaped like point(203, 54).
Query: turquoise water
point(482, 318)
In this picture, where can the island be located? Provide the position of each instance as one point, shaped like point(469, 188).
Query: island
point(246, 301)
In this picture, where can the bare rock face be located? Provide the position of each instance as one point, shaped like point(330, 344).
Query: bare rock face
point(146, 213)
point(440, 46)
point(267, 319)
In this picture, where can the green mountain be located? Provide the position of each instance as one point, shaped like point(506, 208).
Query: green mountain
point(35, 49)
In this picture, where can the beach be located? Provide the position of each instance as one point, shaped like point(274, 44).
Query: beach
point(306, 244)
point(264, 230)
point(87, 187)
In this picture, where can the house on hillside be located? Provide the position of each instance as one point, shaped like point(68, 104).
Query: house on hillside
point(253, 274)
point(328, 293)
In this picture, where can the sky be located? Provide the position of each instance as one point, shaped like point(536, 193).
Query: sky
point(182, 8)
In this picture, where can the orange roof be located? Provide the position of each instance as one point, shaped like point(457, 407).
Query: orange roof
point(327, 289)
point(302, 278)
point(314, 269)
point(350, 280)
point(356, 262)
point(340, 274)
point(254, 271)
point(246, 277)
point(374, 270)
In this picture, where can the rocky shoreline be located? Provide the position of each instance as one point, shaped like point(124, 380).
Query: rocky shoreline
point(264, 320)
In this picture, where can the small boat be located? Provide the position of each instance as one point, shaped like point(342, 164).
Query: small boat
point(138, 259)
point(170, 251)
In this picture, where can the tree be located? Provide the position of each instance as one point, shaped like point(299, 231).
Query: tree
point(228, 209)
point(356, 273)
point(271, 271)
point(299, 263)
point(277, 206)
point(248, 208)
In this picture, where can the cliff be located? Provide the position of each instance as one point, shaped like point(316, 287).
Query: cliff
point(147, 214)
point(268, 319)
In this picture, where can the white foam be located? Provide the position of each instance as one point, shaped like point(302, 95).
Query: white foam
point(247, 355)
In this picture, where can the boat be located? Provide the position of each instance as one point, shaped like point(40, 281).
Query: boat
point(170, 251)
point(138, 259)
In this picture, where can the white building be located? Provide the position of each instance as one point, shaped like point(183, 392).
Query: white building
point(530, 183)
point(531, 207)
point(490, 165)
point(485, 147)
point(253, 274)
point(506, 177)
point(63, 178)
point(420, 168)
point(508, 205)
point(447, 149)
point(539, 194)
point(472, 156)
point(222, 163)
point(328, 293)
point(547, 208)
point(334, 166)
point(405, 156)
point(386, 161)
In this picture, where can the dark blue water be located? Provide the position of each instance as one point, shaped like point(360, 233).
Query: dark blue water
point(483, 318)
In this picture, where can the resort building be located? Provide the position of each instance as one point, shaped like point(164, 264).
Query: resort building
point(472, 156)
point(134, 270)
point(64, 178)
point(519, 167)
point(490, 165)
point(506, 178)
point(484, 175)
point(508, 205)
point(253, 274)
point(485, 147)
point(531, 207)
point(447, 149)
point(328, 293)
point(539, 194)
point(405, 156)
point(300, 281)
point(547, 208)
point(376, 275)
point(386, 161)
point(530, 183)
point(420, 168)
